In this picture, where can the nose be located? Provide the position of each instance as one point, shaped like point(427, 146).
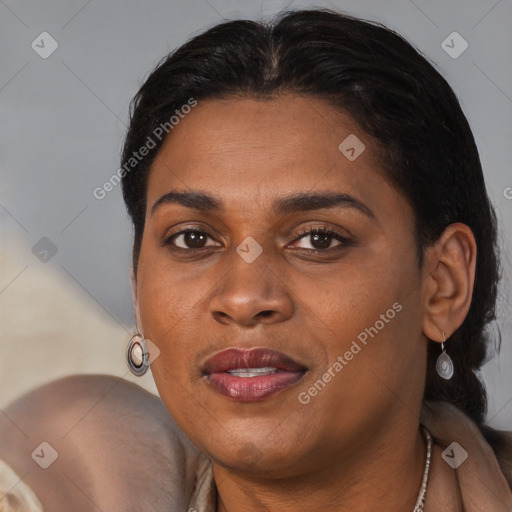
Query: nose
point(251, 293)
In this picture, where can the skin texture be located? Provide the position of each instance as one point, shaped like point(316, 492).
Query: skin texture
point(359, 437)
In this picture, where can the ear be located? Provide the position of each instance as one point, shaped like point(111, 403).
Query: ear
point(133, 279)
point(449, 276)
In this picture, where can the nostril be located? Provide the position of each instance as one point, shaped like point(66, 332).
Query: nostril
point(221, 317)
point(266, 313)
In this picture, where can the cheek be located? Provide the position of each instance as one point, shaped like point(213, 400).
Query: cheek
point(165, 310)
point(375, 365)
point(370, 318)
point(166, 302)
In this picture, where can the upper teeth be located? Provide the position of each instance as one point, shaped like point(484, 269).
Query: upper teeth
point(252, 372)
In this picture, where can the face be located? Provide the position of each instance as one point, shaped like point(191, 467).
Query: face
point(261, 233)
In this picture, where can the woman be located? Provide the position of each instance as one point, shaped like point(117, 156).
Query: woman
point(314, 264)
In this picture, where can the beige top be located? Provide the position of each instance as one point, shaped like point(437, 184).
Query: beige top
point(15, 495)
point(170, 474)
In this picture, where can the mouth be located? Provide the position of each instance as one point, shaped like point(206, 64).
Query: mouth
point(250, 375)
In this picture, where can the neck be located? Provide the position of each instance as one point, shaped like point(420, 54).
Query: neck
point(385, 474)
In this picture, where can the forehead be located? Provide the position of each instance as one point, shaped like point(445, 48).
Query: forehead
point(240, 148)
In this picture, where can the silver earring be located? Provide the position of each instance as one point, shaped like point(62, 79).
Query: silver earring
point(444, 364)
point(137, 355)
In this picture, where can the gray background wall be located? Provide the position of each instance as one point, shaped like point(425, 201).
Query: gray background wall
point(69, 309)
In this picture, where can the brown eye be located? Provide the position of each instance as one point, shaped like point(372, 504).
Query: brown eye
point(194, 239)
point(320, 240)
point(190, 239)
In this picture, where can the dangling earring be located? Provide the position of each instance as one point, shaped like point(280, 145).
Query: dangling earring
point(137, 355)
point(444, 364)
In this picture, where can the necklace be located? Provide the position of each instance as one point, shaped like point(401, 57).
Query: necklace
point(420, 502)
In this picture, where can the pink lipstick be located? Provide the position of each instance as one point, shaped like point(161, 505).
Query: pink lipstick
point(249, 375)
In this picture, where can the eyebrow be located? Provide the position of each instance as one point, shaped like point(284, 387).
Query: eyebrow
point(283, 206)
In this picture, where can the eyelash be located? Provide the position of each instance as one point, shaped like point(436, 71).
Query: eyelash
point(324, 230)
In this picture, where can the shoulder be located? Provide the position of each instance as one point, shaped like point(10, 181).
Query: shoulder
point(488, 451)
point(15, 495)
point(501, 443)
point(97, 441)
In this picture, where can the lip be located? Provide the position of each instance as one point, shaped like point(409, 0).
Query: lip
point(254, 388)
point(250, 358)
